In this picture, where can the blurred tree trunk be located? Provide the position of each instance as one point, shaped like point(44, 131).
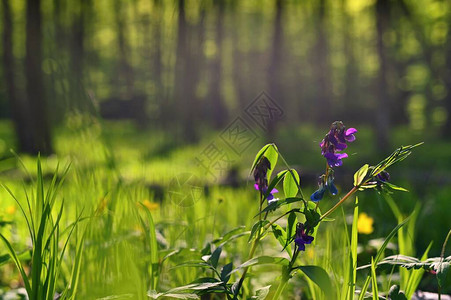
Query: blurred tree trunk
point(185, 70)
point(157, 66)
point(34, 79)
point(351, 77)
point(322, 68)
point(447, 82)
point(219, 110)
point(19, 109)
point(77, 53)
point(382, 122)
point(58, 8)
point(125, 70)
point(239, 60)
point(275, 73)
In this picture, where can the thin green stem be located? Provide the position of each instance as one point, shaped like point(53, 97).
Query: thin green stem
point(282, 284)
point(442, 255)
point(286, 275)
point(298, 184)
point(253, 248)
point(275, 220)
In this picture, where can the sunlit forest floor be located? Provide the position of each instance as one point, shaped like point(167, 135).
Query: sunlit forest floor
point(114, 166)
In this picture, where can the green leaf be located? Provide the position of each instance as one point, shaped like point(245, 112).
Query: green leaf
point(261, 293)
point(225, 272)
point(319, 276)
point(374, 280)
point(416, 275)
point(274, 182)
point(354, 244)
point(360, 175)
point(394, 187)
point(259, 156)
point(277, 204)
point(281, 236)
point(270, 151)
point(291, 229)
point(398, 155)
point(272, 154)
point(19, 266)
point(291, 184)
point(379, 255)
point(175, 296)
point(262, 260)
point(256, 228)
point(194, 287)
point(228, 235)
point(214, 258)
point(396, 294)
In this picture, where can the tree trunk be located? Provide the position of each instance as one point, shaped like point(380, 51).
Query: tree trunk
point(156, 63)
point(275, 74)
point(447, 81)
point(382, 122)
point(186, 73)
point(19, 109)
point(215, 96)
point(323, 72)
point(125, 71)
point(77, 55)
point(34, 78)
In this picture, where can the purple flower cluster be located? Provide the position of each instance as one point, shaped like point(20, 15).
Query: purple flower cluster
point(261, 180)
point(301, 238)
point(335, 141)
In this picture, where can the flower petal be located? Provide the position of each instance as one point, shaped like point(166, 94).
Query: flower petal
point(300, 243)
point(332, 188)
point(273, 200)
point(318, 195)
point(341, 155)
point(341, 146)
point(308, 239)
point(349, 136)
point(350, 131)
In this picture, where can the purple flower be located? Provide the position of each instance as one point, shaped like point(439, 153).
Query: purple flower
point(335, 141)
point(318, 194)
point(301, 238)
point(335, 159)
point(331, 186)
point(324, 184)
point(264, 190)
point(383, 176)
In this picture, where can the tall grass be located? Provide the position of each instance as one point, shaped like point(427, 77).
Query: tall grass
point(46, 232)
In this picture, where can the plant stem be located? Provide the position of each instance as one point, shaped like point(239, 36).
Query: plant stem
point(286, 275)
point(253, 248)
point(352, 191)
point(280, 288)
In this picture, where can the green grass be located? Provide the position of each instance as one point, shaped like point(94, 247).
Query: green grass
point(112, 251)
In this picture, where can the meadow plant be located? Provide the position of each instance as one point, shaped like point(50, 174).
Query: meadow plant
point(49, 241)
point(281, 211)
point(302, 217)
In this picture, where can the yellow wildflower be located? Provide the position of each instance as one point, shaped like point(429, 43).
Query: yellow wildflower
point(150, 205)
point(10, 210)
point(365, 224)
